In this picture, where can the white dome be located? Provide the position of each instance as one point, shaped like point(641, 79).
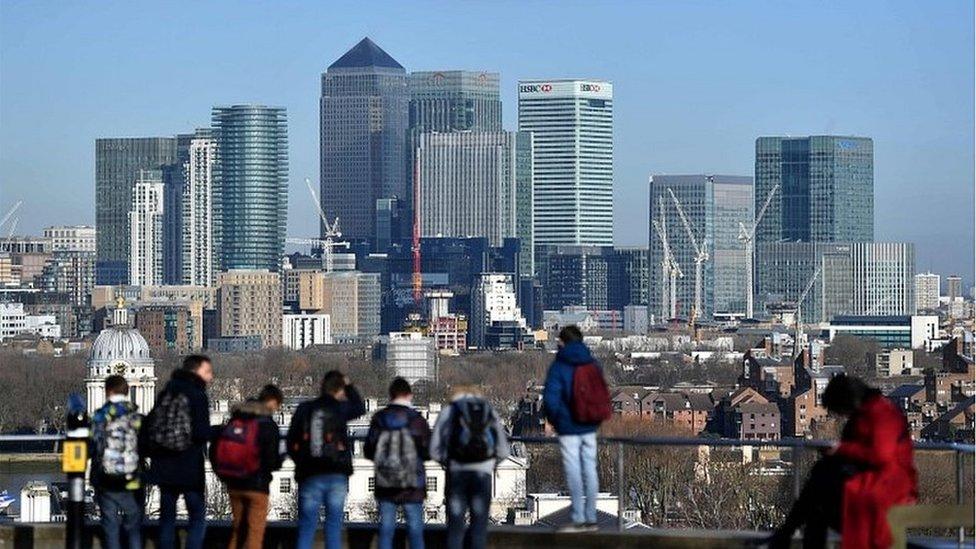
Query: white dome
point(120, 343)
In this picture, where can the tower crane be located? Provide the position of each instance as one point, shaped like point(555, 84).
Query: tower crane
point(670, 270)
point(329, 234)
point(797, 348)
point(747, 236)
point(11, 212)
point(701, 255)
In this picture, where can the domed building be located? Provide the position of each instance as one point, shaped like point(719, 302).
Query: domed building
point(121, 349)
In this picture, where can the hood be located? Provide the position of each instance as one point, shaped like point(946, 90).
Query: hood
point(186, 376)
point(251, 407)
point(575, 353)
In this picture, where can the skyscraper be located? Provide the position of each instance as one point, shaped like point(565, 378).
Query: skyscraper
point(117, 165)
point(572, 126)
point(826, 188)
point(146, 230)
point(197, 250)
point(451, 101)
point(363, 115)
point(250, 186)
point(927, 291)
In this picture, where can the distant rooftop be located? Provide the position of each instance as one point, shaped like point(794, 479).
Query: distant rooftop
point(365, 54)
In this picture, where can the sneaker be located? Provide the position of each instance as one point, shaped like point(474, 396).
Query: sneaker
point(591, 527)
point(573, 528)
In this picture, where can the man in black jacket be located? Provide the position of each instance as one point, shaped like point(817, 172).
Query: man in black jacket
point(318, 443)
point(182, 472)
point(249, 495)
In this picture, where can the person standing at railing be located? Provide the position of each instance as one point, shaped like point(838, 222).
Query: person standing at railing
point(576, 400)
point(857, 481)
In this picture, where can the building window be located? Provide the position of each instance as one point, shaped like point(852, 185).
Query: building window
point(372, 484)
point(285, 486)
point(431, 484)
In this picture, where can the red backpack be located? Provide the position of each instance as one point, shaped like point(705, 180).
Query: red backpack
point(236, 454)
point(591, 397)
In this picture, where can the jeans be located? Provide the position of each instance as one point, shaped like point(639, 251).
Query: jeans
point(196, 509)
point(579, 463)
point(414, 513)
point(315, 490)
point(121, 511)
point(250, 511)
point(468, 491)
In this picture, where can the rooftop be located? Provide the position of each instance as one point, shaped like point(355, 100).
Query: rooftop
point(365, 54)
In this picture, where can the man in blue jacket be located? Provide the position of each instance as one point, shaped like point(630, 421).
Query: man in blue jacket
point(577, 441)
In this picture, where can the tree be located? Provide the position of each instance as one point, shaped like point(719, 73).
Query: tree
point(855, 354)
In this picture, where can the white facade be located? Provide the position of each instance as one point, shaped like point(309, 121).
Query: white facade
point(493, 300)
point(146, 230)
point(13, 320)
point(572, 126)
point(883, 278)
point(121, 350)
point(303, 330)
point(927, 291)
point(412, 356)
point(198, 251)
point(71, 238)
point(45, 326)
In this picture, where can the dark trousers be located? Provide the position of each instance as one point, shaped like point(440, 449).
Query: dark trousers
point(121, 513)
point(468, 492)
point(818, 508)
point(196, 509)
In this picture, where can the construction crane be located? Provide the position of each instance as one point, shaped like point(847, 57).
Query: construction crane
point(329, 234)
point(747, 237)
point(417, 280)
point(10, 234)
point(13, 224)
point(797, 348)
point(11, 212)
point(670, 270)
point(701, 255)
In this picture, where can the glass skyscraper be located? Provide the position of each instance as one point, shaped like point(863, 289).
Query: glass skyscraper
point(118, 162)
point(363, 116)
point(826, 188)
point(250, 186)
point(448, 101)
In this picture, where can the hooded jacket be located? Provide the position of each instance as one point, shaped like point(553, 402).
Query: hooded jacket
point(345, 411)
point(184, 470)
point(269, 441)
point(107, 413)
point(441, 440)
point(394, 417)
point(557, 397)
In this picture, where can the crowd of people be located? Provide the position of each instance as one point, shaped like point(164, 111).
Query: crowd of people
point(869, 471)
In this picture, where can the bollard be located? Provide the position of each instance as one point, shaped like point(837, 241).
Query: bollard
point(74, 461)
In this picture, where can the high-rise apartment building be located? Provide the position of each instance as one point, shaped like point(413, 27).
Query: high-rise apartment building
point(927, 291)
point(197, 248)
point(250, 187)
point(953, 287)
point(714, 206)
point(117, 165)
point(826, 188)
point(572, 126)
point(146, 230)
point(496, 321)
point(363, 115)
point(305, 329)
point(71, 273)
point(250, 305)
point(452, 101)
point(350, 298)
point(71, 238)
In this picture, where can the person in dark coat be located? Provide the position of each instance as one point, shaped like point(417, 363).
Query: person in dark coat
point(857, 481)
point(398, 415)
point(182, 473)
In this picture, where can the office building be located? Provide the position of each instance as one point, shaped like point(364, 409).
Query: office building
point(117, 165)
point(953, 287)
point(71, 273)
point(363, 116)
point(572, 126)
point(890, 331)
point(883, 278)
point(896, 362)
point(826, 188)
point(304, 330)
point(197, 253)
point(927, 291)
point(173, 327)
point(496, 321)
point(350, 298)
point(71, 238)
point(595, 278)
point(250, 187)
point(410, 355)
point(454, 101)
point(250, 305)
point(146, 230)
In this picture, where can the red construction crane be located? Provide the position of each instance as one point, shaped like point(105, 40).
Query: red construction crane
point(415, 247)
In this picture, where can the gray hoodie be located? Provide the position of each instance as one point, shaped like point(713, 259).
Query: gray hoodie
point(441, 438)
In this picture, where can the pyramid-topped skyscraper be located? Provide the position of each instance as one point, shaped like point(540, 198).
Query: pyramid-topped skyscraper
point(363, 138)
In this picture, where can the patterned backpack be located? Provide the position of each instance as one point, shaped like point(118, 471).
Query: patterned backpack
point(117, 441)
point(170, 424)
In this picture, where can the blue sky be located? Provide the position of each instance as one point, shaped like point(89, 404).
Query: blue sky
point(694, 82)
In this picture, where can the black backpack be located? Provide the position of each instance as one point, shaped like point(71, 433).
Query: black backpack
point(395, 460)
point(170, 423)
point(323, 443)
point(472, 437)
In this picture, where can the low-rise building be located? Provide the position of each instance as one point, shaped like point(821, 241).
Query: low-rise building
point(896, 362)
point(305, 329)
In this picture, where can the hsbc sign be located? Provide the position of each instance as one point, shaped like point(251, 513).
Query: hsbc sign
point(589, 87)
point(535, 88)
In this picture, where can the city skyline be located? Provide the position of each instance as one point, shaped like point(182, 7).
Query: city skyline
point(655, 131)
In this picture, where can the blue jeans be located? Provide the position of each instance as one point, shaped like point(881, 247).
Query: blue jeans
point(121, 511)
point(313, 492)
point(414, 513)
point(468, 491)
point(196, 510)
point(579, 463)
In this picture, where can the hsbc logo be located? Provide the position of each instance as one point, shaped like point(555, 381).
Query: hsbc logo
point(589, 87)
point(535, 88)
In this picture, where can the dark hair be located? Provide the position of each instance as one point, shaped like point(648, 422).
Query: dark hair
point(192, 363)
point(570, 334)
point(271, 392)
point(844, 394)
point(399, 387)
point(116, 385)
point(333, 382)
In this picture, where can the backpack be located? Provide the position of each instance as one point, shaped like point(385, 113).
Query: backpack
point(396, 459)
point(117, 444)
point(236, 454)
point(323, 442)
point(472, 437)
point(591, 397)
point(170, 423)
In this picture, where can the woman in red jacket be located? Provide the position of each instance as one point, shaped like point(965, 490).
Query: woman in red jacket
point(852, 488)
